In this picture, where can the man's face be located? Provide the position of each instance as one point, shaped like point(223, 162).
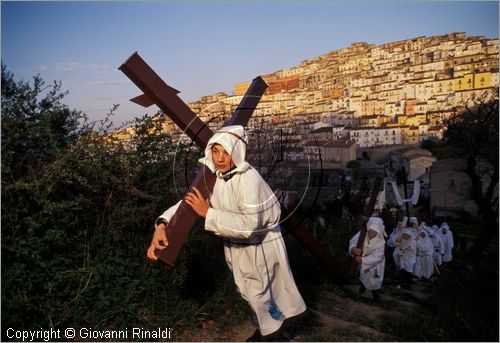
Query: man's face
point(406, 236)
point(221, 158)
point(371, 234)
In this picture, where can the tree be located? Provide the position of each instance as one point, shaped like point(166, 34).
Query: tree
point(36, 125)
point(473, 136)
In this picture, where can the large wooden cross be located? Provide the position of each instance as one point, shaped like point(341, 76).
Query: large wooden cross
point(362, 233)
point(156, 91)
point(402, 178)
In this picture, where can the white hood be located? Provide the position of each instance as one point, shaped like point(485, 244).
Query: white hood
point(376, 224)
point(234, 140)
point(407, 242)
point(409, 232)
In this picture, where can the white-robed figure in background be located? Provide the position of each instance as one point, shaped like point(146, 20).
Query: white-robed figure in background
point(405, 253)
point(448, 244)
point(372, 257)
point(396, 232)
point(437, 244)
point(244, 210)
point(424, 262)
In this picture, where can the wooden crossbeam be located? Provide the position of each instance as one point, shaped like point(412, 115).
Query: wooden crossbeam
point(369, 211)
point(156, 91)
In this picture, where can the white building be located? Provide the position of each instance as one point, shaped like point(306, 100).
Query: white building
point(375, 136)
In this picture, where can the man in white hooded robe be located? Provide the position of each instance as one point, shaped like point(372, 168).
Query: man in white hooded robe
point(372, 257)
point(424, 261)
point(405, 254)
point(396, 232)
point(448, 244)
point(437, 243)
point(244, 210)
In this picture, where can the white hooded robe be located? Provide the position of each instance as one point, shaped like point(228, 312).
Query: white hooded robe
point(405, 252)
point(448, 244)
point(244, 209)
point(424, 262)
point(438, 245)
point(392, 237)
point(371, 272)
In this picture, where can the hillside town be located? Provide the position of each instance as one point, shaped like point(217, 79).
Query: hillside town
point(374, 104)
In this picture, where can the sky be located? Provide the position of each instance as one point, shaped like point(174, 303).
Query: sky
point(201, 48)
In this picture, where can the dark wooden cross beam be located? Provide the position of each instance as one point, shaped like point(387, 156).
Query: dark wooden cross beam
point(403, 176)
point(156, 91)
point(402, 179)
point(369, 211)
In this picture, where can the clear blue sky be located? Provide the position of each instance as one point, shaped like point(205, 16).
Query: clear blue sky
point(201, 48)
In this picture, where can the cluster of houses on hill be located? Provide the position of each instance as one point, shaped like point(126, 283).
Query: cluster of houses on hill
point(364, 103)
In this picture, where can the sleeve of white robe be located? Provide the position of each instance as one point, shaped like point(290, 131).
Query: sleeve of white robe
point(168, 214)
point(391, 240)
point(257, 209)
point(353, 242)
point(374, 257)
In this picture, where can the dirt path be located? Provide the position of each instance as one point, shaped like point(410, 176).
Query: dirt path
point(336, 315)
point(344, 315)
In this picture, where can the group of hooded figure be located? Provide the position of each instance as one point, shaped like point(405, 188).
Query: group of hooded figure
point(418, 251)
